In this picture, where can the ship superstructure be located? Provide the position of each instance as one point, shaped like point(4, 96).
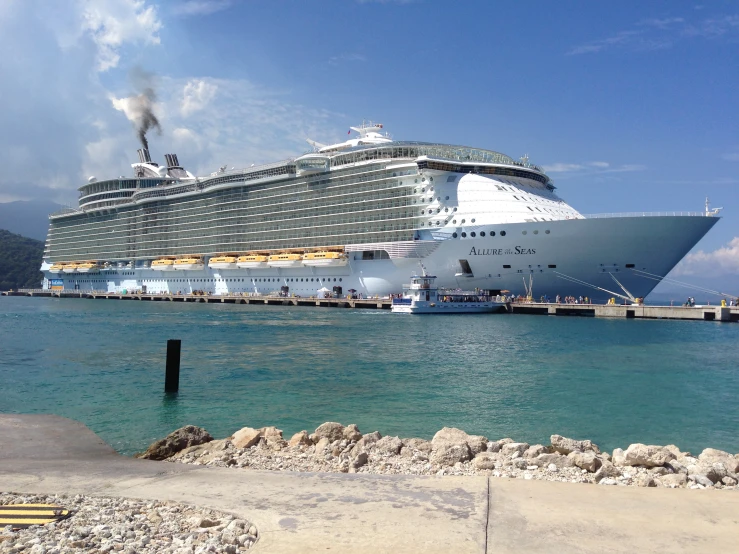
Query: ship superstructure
point(357, 214)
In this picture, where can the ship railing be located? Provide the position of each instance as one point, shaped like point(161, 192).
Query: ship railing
point(65, 211)
point(649, 214)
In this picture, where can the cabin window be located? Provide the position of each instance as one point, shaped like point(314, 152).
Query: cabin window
point(552, 266)
point(630, 265)
point(506, 267)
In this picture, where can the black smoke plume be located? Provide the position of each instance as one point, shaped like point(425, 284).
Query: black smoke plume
point(146, 120)
point(139, 108)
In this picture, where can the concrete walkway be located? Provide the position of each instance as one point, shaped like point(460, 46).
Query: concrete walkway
point(308, 512)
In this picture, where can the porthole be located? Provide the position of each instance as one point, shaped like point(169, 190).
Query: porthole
point(431, 189)
point(547, 231)
point(431, 179)
point(438, 198)
point(454, 221)
point(536, 232)
point(438, 210)
point(339, 279)
point(523, 232)
point(472, 234)
point(423, 179)
point(482, 233)
point(454, 235)
point(415, 180)
point(454, 209)
point(473, 220)
point(463, 221)
point(423, 190)
point(502, 233)
point(464, 235)
point(446, 209)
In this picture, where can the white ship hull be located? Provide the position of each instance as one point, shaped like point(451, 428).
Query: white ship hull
point(588, 250)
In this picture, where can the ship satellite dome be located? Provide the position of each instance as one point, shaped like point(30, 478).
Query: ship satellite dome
point(162, 171)
point(92, 179)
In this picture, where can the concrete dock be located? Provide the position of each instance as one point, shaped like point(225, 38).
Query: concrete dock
point(311, 512)
point(696, 313)
point(700, 313)
point(366, 303)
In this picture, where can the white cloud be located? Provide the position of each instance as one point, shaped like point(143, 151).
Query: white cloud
point(336, 60)
point(201, 7)
point(563, 167)
point(113, 23)
point(664, 23)
point(731, 156)
point(723, 261)
point(196, 95)
point(592, 168)
point(660, 33)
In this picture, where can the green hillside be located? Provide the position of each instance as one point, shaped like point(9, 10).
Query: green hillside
point(20, 260)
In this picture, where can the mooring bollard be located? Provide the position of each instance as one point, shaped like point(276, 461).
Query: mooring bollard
point(172, 377)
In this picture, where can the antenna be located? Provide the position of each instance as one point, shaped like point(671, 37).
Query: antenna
point(709, 211)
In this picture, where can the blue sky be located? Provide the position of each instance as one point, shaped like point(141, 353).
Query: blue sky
point(630, 106)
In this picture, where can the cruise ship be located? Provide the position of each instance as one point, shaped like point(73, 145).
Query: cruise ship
point(359, 216)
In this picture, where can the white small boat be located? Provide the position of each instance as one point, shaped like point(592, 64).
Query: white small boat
point(423, 297)
point(251, 262)
point(88, 267)
point(69, 268)
point(325, 259)
point(189, 263)
point(163, 264)
point(285, 260)
point(222, 262)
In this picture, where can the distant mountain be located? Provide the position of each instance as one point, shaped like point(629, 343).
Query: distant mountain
point(20, 260)
point(28, 218)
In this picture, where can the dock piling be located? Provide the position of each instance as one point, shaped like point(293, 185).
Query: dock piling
point(172, 376)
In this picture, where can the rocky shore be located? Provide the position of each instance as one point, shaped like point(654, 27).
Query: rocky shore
point(333, 447)
point(115, 525)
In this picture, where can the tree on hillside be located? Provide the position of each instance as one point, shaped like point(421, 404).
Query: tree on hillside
point(20, 260)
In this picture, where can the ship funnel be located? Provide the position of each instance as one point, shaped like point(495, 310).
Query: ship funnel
point(172, 160)
point(144, 156)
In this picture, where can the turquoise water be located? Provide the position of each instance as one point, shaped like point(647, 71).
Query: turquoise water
point(612, 381)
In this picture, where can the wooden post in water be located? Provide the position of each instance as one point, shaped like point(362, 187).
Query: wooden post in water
point(172, 377)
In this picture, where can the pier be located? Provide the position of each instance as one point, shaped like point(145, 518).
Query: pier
point(695, 313)
point(361, 303)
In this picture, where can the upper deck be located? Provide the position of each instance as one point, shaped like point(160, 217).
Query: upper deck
point(113, 193)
